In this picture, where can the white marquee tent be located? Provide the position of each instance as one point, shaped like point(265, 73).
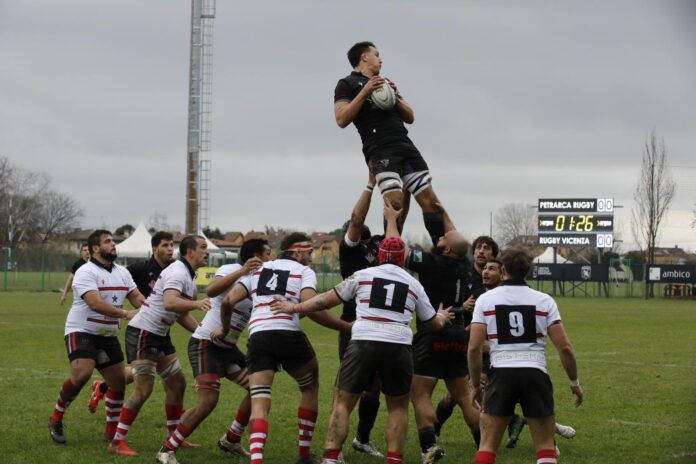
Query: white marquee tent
point(137, 245)
point(547, 257)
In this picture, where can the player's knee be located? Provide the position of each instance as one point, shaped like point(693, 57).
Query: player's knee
point(308, 381)
point(209, 382)
point(80, 379)
point(169, 372)
point(143, 370)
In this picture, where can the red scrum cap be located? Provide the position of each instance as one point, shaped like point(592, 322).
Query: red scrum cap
point(391, 250)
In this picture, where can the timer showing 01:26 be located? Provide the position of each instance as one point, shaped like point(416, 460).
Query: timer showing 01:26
point(581, 223)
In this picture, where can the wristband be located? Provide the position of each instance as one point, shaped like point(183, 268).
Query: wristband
point(125, 314)
point(369, 188)
point(575, 383)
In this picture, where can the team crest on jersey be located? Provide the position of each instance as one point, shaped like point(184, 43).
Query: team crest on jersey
point(417, 256)
point(370, 258)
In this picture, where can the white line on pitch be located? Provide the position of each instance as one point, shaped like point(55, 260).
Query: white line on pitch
point(646, 424)
point(631, 363)
point(684, 455)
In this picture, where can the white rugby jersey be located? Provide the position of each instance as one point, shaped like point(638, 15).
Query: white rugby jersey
point(387, 297)
point(517, 319)
point(281, 277)
point(238, 320)
point(113, 287)
point(152, 315)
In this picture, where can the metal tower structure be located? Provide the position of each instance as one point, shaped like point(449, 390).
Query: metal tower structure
point(198, 160)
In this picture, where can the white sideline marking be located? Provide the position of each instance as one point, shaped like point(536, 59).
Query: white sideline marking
point(610, 353)
point(684, 455)
point(631, 363)
point(646, 424)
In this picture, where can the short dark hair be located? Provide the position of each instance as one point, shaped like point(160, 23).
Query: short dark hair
point(488, 241)
point(94, 238)
point(190, 242)
point(84, 245)
point(159, 236)
point(356, 52)
point(251, 247)
point(517, 261)
point(290, 240)
point(495, 260)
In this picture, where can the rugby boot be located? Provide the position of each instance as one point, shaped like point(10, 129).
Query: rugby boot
point(566, 431)
point(56, 430)
point(166, 456)
point(434, 454)
point(95, 397)
point(122, 449)
point(367, 448)
point(514, 430)
point(235, 449)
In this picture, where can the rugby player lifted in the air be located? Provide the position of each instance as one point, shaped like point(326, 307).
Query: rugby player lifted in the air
point(396, 161)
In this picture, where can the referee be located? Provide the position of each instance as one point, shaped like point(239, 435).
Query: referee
point(516, 320)
point(145, 273)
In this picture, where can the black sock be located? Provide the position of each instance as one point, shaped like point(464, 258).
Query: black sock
point(367, 414)
point(444, 410)
point(477, 437)
point(426, 437)
point(103, 387)
point(435, 226)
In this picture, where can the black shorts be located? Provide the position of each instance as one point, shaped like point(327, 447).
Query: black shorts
point(486, 363)
point(105, 351)
point(401, 159)
point(208, 358)
point(528, 386)
point(343, 337)
point(441, 355)
point(273, 349)
point(141, 344)
point(392, 362)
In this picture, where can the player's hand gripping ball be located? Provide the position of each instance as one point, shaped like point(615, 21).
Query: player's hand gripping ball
point(383, 97)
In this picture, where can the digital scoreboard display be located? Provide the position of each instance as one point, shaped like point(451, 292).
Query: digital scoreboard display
point(576, 222)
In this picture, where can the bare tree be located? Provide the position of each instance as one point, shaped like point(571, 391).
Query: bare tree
point(58, 213)
point(514, 220)
point(651, 199)
point(19, 204)
point(158, 221)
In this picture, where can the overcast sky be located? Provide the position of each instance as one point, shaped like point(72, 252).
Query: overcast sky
point(514, 101)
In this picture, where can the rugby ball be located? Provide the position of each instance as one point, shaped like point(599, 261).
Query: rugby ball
point(383, 97)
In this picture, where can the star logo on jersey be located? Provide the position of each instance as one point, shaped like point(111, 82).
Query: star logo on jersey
point(114, 299)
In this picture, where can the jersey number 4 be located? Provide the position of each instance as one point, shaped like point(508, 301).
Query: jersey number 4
point(515, 324)
point(388, 294)
point(272, 282)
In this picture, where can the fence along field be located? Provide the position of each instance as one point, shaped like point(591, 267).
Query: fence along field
point(636, 362)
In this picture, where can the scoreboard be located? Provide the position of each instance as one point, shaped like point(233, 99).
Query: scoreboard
point(576, 222)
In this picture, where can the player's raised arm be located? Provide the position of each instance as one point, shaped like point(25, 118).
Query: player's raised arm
point(359, 213)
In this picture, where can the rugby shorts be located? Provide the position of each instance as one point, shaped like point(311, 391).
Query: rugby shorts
point(400, 159)
point(363, 359)
point(528, 386)
point(141, 344)
point(442, 354)
point(104, 351)
point(276, 349)
point(208, 358)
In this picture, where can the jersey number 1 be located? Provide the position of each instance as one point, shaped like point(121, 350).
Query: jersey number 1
point(388, 294)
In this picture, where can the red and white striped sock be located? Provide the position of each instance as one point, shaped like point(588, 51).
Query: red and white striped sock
point(547, 456)
point(125, 420)
point(113, 402)
point(258, 432)
point(236, 430)
point(68, 392)
point(306, 420)
point(179, 436)
point(174, 413)
point(330, 456)
point(485, 457)
point(394, 458)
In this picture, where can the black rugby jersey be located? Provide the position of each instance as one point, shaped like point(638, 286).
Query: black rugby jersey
point(76, 265)
point(444, 279)
point(377, 128)
point(354, 259)
point(145, 274)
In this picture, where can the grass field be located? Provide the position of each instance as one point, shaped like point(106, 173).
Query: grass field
point(637, 363)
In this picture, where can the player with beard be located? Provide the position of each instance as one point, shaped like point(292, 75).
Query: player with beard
point(484, 249)
point(278, 341)
point(145, 274)
point(149, 347)
point(443, 273)
point(396, 161)
point(84, 257)
point(91, 329)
